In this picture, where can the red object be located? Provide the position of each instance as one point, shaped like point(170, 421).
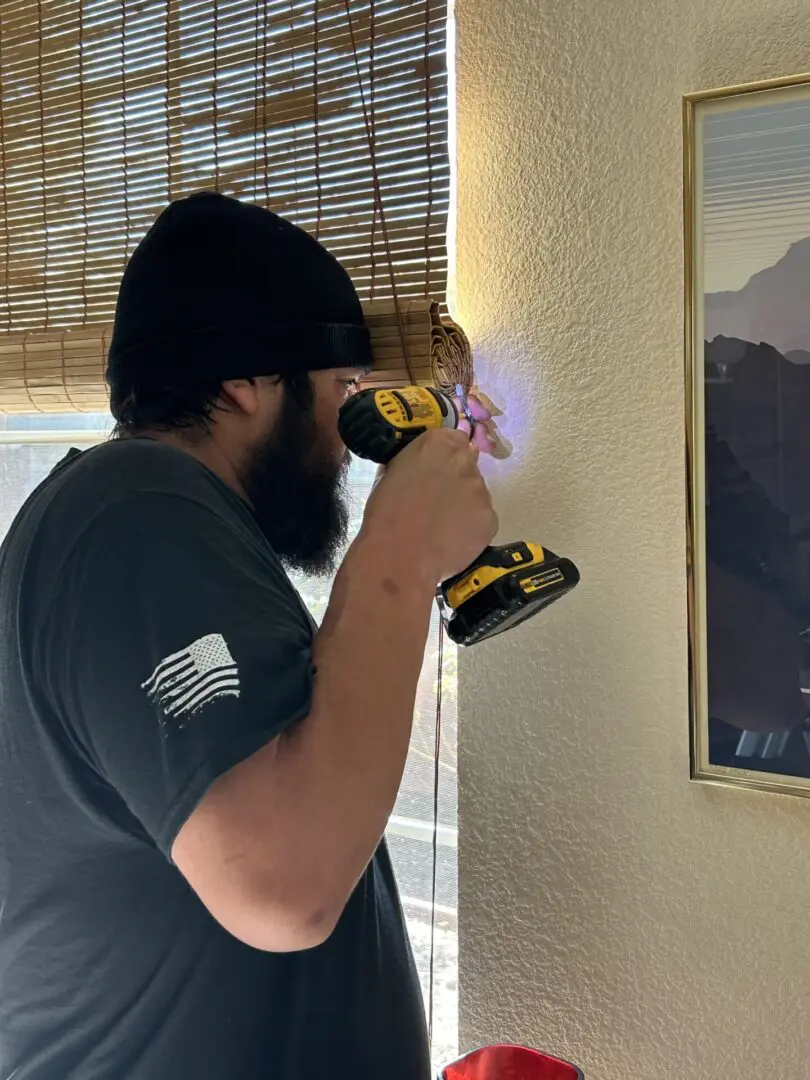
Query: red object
point(510, 1063)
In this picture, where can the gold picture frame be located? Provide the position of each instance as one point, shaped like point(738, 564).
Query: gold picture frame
point(744, 183)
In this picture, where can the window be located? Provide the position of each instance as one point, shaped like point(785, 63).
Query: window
point(335, 115)
point(29, 448)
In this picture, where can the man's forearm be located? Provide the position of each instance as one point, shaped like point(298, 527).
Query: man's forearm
point(346, 759)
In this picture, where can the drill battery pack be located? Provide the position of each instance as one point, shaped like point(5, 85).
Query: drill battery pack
point(504, 586)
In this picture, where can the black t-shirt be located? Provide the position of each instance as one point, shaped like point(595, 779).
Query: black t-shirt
point(149, 641)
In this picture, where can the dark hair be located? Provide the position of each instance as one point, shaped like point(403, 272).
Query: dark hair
point(186, 408)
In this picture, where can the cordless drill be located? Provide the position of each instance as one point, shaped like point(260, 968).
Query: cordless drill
point(506, 584)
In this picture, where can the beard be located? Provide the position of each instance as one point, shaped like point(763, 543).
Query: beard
point(298, 491)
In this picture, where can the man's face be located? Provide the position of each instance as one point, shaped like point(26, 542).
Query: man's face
point(295, 476)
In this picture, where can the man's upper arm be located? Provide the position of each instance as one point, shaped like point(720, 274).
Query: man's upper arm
point(176, 650)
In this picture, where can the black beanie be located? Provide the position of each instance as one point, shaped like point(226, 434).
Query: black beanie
point(221, 289)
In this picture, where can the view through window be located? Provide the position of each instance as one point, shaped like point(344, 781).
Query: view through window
point(28, 451)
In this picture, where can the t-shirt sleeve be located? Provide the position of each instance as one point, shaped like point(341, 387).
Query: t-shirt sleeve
point(176, 648)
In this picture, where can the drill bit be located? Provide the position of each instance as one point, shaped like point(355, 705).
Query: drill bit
point(465, 408)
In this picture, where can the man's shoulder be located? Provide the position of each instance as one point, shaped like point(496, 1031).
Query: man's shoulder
point(127, 471)
point(125, 466)
point(134, 479)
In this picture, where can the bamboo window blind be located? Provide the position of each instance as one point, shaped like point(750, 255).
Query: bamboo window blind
point(109, 110)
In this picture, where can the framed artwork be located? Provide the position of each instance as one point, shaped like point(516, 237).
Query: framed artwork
point(747, 216)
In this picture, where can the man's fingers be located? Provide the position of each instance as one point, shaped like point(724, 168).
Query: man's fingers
point(482, 439)
point(476, 409)
point(471, 405)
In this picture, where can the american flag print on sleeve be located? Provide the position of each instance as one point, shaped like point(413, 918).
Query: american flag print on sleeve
point(188, 680)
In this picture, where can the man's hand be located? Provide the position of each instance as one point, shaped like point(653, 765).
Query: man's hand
point(432, 502)
point(477, 429)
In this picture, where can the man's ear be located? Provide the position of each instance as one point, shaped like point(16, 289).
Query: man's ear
point(241, 396)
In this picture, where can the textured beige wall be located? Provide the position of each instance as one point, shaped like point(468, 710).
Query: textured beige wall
point(648, 928)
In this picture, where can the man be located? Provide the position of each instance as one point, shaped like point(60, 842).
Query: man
point(194, 782)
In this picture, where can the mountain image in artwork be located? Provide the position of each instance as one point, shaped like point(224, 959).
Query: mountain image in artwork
point(757, 402)
point(757, 379)
point(773, 307)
